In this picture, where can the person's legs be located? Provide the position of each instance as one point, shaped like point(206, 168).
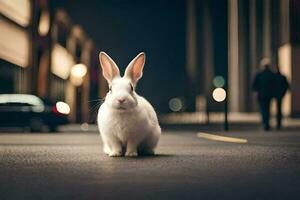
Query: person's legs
point(265, 112)
point(279, 113)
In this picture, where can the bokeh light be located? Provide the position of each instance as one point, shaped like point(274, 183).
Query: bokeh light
point(79, 70)
point(84, 126)
point(219, 94)
point(175, 104)
point(63, 107)
point(219, 81)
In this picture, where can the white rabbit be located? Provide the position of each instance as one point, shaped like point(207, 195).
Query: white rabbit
point(127, 122)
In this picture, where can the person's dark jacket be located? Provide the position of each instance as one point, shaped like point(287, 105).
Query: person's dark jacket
point(282, 85)
point(265, 84)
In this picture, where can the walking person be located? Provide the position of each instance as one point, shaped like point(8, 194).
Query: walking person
point(264, 85)
point(282, 86)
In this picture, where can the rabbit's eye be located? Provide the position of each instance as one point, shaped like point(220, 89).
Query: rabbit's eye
point(131, 87)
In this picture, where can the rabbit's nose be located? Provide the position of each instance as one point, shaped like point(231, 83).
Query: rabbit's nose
point(121, 100)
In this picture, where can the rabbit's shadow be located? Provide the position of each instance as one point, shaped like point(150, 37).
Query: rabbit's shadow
point(151, 156)
point(143, 157)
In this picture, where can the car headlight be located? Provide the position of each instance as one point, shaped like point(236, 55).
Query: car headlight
point(62, 107)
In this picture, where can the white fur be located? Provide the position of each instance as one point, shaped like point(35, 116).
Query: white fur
point(131, 127)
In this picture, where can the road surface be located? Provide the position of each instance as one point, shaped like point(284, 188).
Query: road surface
point(72, 166)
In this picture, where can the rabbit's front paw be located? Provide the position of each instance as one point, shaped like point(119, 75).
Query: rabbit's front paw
point(106, 150)
point(131, 154)
point(115, 154)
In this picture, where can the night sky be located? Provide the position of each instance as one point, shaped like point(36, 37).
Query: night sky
point(123, 28)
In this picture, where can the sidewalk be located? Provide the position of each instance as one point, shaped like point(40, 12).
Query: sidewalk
point(201, 118)
point(216, 120)
point(198, 121)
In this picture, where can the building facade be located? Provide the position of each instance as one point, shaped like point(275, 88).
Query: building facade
point(257, 30)
point(232, 37)
point(43, 53)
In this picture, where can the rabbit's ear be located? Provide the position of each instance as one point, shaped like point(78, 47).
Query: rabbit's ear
point(109, 68)
point(134, 70)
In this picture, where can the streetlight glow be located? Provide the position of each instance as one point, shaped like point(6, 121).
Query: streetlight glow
point(44, 24)
point(219, 94)
point(79, 70)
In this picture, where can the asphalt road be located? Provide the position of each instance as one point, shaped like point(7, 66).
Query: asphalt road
point(72, 166)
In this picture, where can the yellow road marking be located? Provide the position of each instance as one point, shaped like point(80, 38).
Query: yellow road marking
point(221, 138)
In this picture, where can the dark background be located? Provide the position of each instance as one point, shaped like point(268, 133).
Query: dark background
point(124, 28)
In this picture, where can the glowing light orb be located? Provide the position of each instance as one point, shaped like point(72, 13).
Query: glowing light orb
point(175, 104)
point(219, 94)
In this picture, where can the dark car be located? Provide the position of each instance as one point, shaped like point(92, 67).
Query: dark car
point(24, 110)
